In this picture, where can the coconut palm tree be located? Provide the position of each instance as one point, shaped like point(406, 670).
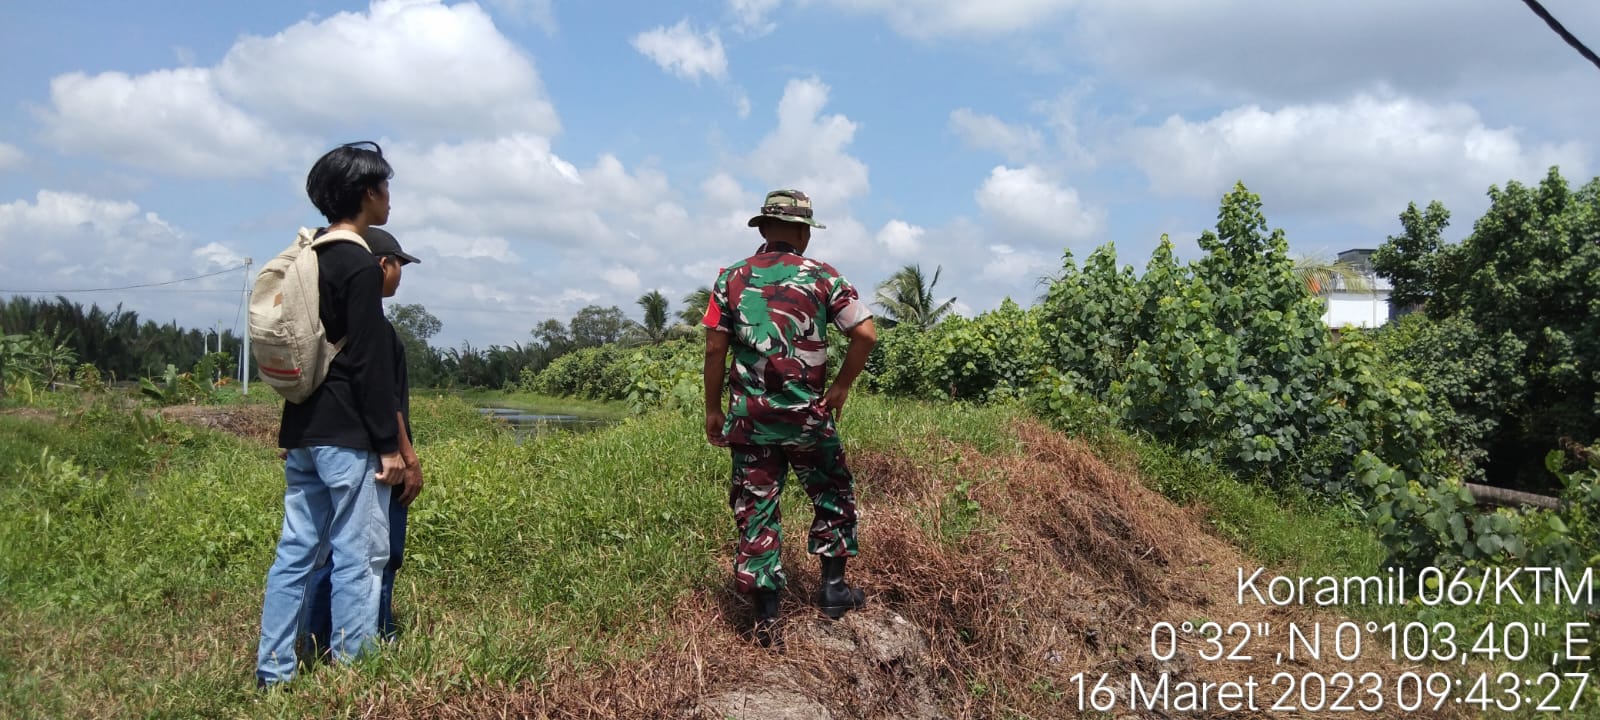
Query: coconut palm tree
point(695, 304)
point(906, 298)
point(655, 305)
point(1322, 276)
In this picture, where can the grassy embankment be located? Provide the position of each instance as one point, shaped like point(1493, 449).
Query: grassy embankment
point(132, 552)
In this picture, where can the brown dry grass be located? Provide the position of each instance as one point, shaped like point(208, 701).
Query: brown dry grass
point(1073, 563)
point(252, 422)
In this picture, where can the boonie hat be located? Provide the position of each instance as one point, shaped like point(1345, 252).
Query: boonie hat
point(788, 206)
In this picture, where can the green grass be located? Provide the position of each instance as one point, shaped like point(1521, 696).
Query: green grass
point(132, 556)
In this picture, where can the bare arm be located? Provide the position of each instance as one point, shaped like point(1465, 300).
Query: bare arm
point(862, 338)
point(716, 372)
point(413, 481)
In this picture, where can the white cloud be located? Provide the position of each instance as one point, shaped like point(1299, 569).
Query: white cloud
point(929, 18)
point(751, 16)
point(1016, 269)
point(65, 241)
point(10, 156)
point(901, 239)
point(1290, 50)
point(684, 52)
point(1018, 143)
point(173, 120)
point(419, 68)
point(433, 69)
point(1027, 204)
point(621, 278)
point(807, 150)
point(1362, 159)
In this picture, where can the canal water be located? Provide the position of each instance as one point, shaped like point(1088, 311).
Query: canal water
point(525, 423)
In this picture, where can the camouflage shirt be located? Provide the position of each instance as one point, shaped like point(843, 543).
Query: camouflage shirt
point(776, 307)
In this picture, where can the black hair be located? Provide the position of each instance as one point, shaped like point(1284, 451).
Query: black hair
point(340, 178)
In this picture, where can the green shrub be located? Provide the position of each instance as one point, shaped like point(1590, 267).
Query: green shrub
point(1227, 358)
point(998, 354)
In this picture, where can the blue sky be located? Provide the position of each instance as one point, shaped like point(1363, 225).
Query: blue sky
point(552, 153)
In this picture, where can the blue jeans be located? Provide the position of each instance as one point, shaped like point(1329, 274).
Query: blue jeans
point(320, 622)
point(332, 503)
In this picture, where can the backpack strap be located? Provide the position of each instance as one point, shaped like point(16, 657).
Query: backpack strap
point(334, 236)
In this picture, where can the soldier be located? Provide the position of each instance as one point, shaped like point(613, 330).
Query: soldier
point(773, 309)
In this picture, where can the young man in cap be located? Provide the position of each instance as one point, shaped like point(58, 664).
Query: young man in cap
point(342, 442)
point(391, 258)
point(773, 309)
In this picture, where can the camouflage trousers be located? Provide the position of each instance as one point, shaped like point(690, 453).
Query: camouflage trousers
point(758, 478)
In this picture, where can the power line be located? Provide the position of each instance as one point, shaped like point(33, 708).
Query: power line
point(125, 287)
point(1562, 31)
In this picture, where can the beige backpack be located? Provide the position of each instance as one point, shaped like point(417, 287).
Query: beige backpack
point(287, 340)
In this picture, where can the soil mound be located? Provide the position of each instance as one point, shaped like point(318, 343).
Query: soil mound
point(985, 597)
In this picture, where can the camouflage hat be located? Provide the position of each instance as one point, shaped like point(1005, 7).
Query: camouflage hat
point(788, 206)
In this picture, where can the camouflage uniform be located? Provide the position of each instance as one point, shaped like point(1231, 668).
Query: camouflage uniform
point(775, 307)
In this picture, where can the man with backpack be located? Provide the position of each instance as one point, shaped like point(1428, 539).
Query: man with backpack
point(773, 310)
point(343, 438)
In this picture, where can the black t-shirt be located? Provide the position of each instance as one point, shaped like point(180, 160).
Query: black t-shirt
point(355, 406)
point(402, 381)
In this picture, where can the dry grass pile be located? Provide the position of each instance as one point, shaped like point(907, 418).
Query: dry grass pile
point(252, 422)
point(1065, 568)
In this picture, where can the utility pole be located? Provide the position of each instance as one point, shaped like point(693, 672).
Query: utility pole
point(244, 357)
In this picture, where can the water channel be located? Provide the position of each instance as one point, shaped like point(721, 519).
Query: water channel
point(529, 422)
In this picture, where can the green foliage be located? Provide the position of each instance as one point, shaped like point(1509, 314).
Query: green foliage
point(88, 378)
point(669, 375)
point(115, 341)
point(694, 306)
point(200, 385)
point(1525, 287)
point(898, 363)
point(906, 298)
point(32, 363)
point(997, 355)
point(592, 373)
point(655, 306)
point(594, 326)
point(1228, 359)
point(1464, 374)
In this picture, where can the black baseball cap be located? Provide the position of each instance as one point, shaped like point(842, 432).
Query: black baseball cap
point(380, 242)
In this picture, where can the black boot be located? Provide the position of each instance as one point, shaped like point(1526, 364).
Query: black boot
point(765, 630)
point(835, 597)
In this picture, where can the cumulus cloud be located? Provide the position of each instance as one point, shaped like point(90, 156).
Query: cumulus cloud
point(901, 239)
point(95, 242)
point(751, 16)
point(1016, 143)
point(684, 52)
point(808, 149)
point(417, 67)
point(440, 69)
point(1027, 204)
point(1362, 159)
point(172, 120)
